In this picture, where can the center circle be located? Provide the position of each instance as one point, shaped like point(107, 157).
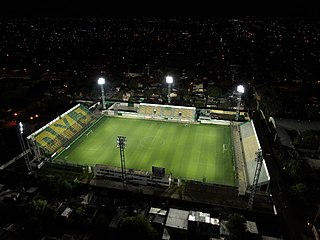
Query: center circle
point(152, 142)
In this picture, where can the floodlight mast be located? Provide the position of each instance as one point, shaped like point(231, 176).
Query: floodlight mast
point(23, 147)
point(240, 91)
point(259, 159)
point(101, 82)
point(169, 80)
point(121, 144)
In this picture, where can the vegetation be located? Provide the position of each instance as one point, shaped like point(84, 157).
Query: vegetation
point(309, 139)
point(295, 169)
point(271, 102)
point(55, 188)
point(298, 190)
point(43, 215)
point(214, 91)
point(236, 226)
point(297, 172)
point(137, 227)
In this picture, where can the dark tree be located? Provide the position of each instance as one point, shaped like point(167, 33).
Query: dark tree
point(65, 188)
point(298, 190)
point(294, 168)
point(214, 91)
point(34, 228)
point(236, 226)
point(137, 227)
point(271, 102)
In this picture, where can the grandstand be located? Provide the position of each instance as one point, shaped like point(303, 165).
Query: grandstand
point(251, 145)
point(54, 136)
point(168, 112)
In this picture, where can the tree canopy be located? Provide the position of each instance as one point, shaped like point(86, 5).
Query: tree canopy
point(298, 190)
point(137, 227)
point(295, 169)
point(271, 102)
point(236, 226)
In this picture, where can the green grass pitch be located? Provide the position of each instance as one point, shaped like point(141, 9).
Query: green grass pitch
point(193, 151)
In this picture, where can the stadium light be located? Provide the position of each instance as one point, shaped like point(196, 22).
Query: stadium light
point(101, 82)
point(169, 80)
point(24, 148)
point(121, 144)
point(240, 91)
point(121, 141)
point(21, 127)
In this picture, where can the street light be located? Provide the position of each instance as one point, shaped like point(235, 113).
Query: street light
point(101, 82)
point(240, 91)
point(169, 80)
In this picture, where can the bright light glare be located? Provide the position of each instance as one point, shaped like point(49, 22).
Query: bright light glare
point(101, 81)
point(121, 141)
point(240, 89)
point(169, 79)
point(21, 127)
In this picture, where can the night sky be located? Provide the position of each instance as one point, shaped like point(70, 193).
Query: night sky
point(64, 8)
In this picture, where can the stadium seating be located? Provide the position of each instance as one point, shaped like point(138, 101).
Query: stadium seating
point(246, 130)
point(251, 146)
point(63, 129)
point(167, 111)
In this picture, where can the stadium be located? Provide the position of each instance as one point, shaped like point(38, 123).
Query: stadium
point(164, 145)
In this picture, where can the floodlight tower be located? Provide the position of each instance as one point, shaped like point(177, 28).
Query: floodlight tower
point(121, 144)
point(240, 91)
point(101, 82)
point(24, 149)
point(259, 160)
point(169, 80)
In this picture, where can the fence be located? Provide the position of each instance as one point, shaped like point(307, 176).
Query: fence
point(213, 121)
point(194, 186)
point(67, 166)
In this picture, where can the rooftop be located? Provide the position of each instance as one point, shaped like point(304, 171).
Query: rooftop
point(177, 219)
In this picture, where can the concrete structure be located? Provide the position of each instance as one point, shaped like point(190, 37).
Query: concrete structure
point(66, 212)
point(251, 145)
point(157, 216)
point(132, 176)
point(177, 224)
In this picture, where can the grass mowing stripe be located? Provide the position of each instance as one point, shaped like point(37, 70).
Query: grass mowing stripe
point(186, 151)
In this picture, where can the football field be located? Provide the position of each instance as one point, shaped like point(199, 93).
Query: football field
point(199, 152)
